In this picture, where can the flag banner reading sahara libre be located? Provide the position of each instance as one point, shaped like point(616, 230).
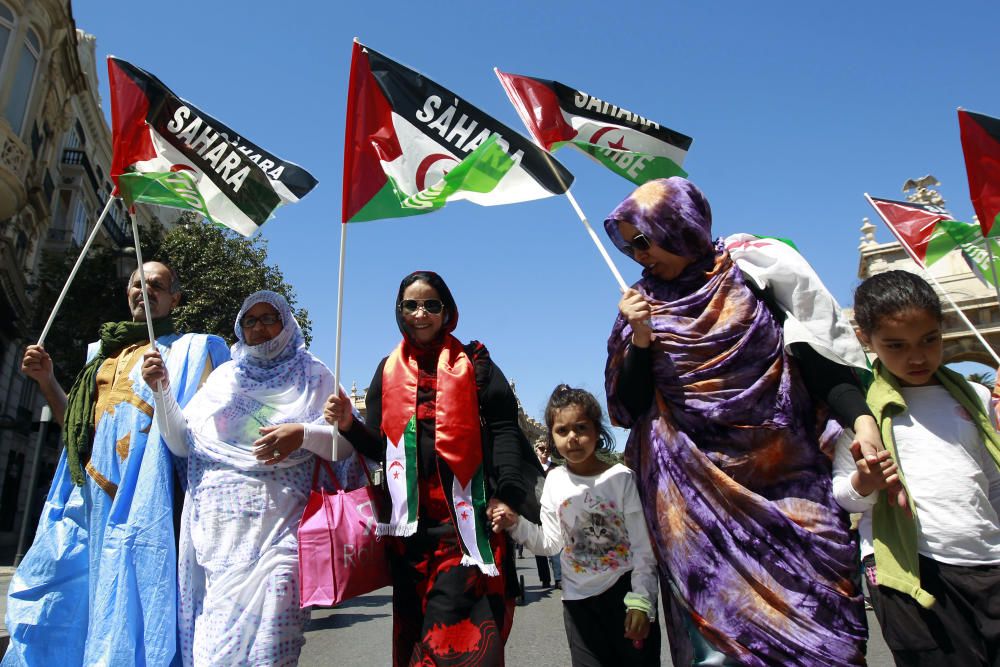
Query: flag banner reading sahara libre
point(981, 146)
point(170, 153)
point(930, 233)
point(633, 147)
point(413, 145)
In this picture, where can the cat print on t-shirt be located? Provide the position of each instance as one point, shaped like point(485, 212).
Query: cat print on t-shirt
point(596, 539)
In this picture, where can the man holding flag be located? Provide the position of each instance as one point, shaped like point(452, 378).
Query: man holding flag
point(98, 586)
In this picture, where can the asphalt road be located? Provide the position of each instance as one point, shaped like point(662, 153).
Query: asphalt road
point(360, 631)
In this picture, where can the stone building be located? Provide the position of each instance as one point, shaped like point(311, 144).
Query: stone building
point(55, 155)
point(976, 299)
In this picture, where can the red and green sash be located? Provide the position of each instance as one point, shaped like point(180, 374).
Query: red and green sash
point(457, 443)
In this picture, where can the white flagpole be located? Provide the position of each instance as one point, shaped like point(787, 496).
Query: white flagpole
point(340, 316)
point(72, 274)
point(164, 428)
point(523, 113)
point(941, 289)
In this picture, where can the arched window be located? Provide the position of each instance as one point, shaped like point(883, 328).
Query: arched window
point(6, 28)
point(23, 80)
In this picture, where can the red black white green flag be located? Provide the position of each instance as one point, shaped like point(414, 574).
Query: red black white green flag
point(929, 233)
point(981, 145)
point(630, 145)
point(413, 145)
point(169, 152)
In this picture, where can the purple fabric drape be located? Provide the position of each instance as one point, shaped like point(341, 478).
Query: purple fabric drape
point(756, 555)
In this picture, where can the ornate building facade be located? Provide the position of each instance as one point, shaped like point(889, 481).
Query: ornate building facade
point(55, 155)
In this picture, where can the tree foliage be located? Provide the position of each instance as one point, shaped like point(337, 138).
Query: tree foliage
point(218, 269)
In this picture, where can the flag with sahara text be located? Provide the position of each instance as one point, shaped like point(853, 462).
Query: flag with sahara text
point(413, 145)
point(628, 144)
point(168, 152)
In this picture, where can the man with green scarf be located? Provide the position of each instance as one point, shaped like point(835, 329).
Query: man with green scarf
point(98, 586)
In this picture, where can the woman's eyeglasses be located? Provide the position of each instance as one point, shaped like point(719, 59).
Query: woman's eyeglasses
point(639, 242)
point(249, 322)
point(429, 306)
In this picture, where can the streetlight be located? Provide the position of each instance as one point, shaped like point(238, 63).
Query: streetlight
point(36, 463)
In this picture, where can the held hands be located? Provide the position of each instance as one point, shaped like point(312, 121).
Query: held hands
point(338, 410)
point(277, 442)
point(37, 364)
point(154, 371)
point(501, 516)
point(874, 471)
point(875, 468)
point(636, 625)
point(634, 307)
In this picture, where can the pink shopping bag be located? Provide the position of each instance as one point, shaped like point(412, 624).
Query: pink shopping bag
point(339, 555)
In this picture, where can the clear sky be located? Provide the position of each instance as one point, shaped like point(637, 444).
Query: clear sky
point(796, 109)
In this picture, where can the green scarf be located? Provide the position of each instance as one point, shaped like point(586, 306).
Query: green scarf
point(894, 533)
point(78, 423)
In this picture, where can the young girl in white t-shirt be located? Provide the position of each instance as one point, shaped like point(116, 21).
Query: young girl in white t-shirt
point(933, 568)
point(591, 510)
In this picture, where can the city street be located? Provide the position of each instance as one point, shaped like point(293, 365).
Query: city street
point(360, 631)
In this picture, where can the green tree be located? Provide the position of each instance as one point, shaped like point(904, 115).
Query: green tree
point(218, 270)
point(217, 267)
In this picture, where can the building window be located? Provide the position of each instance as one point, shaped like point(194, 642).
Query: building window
point(6, 28)
point(23, 80)
point(80, 223)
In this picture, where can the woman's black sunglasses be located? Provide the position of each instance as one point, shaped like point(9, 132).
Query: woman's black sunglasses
point(639, 242)
point(430, 306)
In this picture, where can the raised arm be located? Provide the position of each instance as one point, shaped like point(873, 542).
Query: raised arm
point(37, 365)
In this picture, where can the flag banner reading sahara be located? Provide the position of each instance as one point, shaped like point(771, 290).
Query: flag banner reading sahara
point(633, 147)
point(413, 145)
point(981, 146)
point(929, 233)
point(170, 153)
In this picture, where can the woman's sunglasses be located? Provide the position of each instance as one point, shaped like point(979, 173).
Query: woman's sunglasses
point(430, 306)
point(639, 242)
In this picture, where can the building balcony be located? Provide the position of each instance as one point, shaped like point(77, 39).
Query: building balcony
point(13, 168)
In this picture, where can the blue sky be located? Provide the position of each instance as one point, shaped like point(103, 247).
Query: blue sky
point(796, 109)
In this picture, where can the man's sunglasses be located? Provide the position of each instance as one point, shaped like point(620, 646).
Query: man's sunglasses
point(249, 322)
point(639, 242)
point(430, 306)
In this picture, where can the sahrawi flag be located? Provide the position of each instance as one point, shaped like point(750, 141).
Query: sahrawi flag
point(930, 233)
point(981, 146)
point(633, 147)
point(171, 153)
point(413, 145)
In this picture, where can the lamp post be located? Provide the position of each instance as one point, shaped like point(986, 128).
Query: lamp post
point(36, 464)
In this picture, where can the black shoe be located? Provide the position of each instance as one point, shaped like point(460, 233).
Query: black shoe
point(558, 584)
point(545, 584)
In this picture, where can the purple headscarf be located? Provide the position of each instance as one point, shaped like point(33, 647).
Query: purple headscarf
point(757, 556)
point(672, 213)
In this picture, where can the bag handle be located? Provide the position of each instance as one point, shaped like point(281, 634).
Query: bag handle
point(333, 478)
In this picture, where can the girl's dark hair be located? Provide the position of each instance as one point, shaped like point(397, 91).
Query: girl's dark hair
point(892, 292)
point(564, 396)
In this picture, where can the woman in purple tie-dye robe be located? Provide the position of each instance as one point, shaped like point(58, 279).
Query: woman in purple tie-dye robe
point(758, 564)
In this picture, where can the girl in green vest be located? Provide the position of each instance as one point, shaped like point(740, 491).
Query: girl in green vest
point(933, 568)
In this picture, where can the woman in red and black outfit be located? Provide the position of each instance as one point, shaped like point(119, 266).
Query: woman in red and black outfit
point(442, 418)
